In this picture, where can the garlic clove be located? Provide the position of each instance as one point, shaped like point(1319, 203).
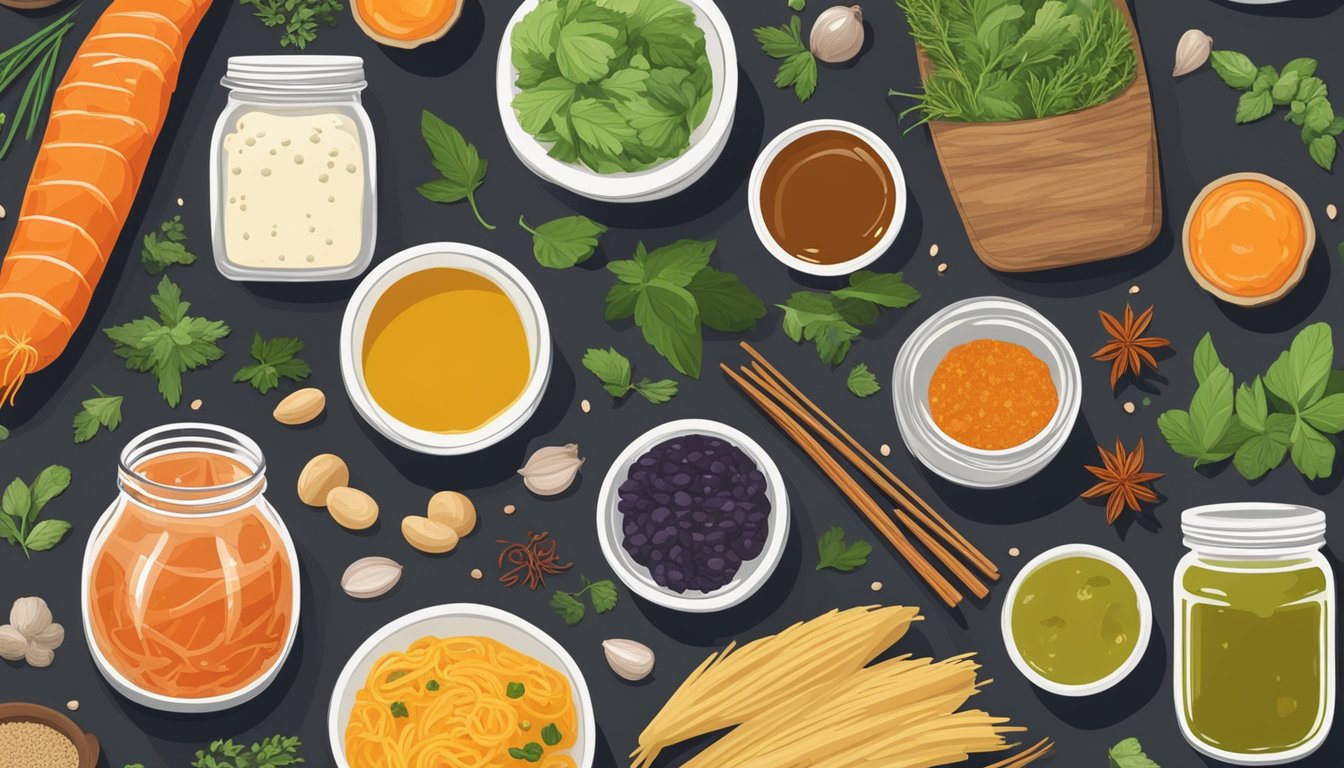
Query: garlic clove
point(1191, 52)
point(38, 656)
point(371, 577)
point(837, 36)
point(631, 660)
point(51, 637)
point(13, 645)
point(30, 615)
point(551, 470)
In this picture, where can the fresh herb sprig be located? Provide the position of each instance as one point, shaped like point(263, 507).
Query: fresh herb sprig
point(833, 320)
point(22, 503)
point(297, 19)
point(1295, 87)
point(567, 605)
point(672, 291)
point(1129, 754)
point(564, 242)
point(270, 752)
point(1020, 59)
point(461, 166)
point(613, 370)
point(798, 67)
point(862, 382)
point(274, 359)
point(170, 344)
point(39, 51)
point(103, 411)
point(833, 552)
point(1290, 410)
point(165, 248)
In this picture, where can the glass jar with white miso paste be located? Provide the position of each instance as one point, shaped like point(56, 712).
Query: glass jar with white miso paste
point(1255, 647)
point(293, 170)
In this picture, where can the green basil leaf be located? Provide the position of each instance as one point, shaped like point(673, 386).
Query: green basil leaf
point(1252, 407)
point(1303, 68)
point(1313, 453)
point(862, 382)
point(1206, 358)
point(1322, 150)
point(1254, 105)
point(667, 315)
point(611, 368)
point(564, 242)
point(1286, 88)
point(1234, 68)
point(17, 501)
point(725, 304)
point(679, 262)
point(1326, 414)
point(50, 483)
point(46, 535)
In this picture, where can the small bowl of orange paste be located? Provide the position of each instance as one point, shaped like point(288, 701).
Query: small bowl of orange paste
point(986, 392)
point(1248, 238)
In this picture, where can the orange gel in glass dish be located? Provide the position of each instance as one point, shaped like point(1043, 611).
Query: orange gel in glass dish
point(190, 598)
point(1247, 238)
point(406, 21)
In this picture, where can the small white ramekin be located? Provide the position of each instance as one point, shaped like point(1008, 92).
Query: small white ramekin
point(753, 574)
point(1145, 620)
point(987, 317)
point(777, 145)
point(453, 256)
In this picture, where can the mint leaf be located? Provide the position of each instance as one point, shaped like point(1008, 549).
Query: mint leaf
point(564, 242)
point(656, 392)
point(275, 359)
point(832, 552)
point(1266, 449)
point(46, 535)
point(1234, 68)
point(1129, 754)
point(670, 321)
point(862, 382)
point(677, 263)
point(462, 167)
point(1254, 105)
point(169, 345)
point(160, 252)
point(1303, 68)
point(611, 368)
point(883, 289)
point(725, 304)
point(1313, 453)
point(1322, 150)
point(101, 411)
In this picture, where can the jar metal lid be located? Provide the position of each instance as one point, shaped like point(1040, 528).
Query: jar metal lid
point(294, 73)
point(1253, 527)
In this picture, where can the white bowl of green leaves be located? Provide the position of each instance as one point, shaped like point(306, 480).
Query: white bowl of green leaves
point(624, 101)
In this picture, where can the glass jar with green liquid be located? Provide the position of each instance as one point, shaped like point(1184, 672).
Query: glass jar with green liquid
point(1254, 646)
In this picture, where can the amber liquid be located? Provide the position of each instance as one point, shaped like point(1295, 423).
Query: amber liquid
point(828, 197)
point(191, 605)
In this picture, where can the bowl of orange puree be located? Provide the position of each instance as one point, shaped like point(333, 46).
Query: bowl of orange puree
point(1248, 238)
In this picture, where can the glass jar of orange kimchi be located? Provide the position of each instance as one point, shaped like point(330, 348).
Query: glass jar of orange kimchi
point(190, 598)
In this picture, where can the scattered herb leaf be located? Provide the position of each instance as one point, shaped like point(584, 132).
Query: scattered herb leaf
point(516, 690)
point(1129, 754)
point(462, 167)
point(432, 685)
point(798, 5)
point(4, 433)
point(271, 752)
point(101, 411)
point(297, 19)
point(862, 382)
point(602, 594)
point(170, 345)
point(613, 370)
point(551, 735)
point(275, 358)
point(833, 320)
point(399, 709)
point(159, 253)
point(1295, 87)
point(21, 504)
point(799, 67)
point(832, 552)
point(531, 752)
point(564, 242)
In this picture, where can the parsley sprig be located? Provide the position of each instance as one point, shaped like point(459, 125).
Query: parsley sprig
point(602, 594)
point(274, 359)
point(297, 19)
point(862, 382)
point(101, 411)
point(799, 66)
point(833, 320)
point(461, 166)
point(22, 503)
point(165, 248)
point(170, 344)
point(613, 370)
point(270, 752)
point(833, 552)
point(1129, 754)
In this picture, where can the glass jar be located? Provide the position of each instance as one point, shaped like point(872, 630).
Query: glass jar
point(1255, 652)
point(189, 591)
point(293, 193)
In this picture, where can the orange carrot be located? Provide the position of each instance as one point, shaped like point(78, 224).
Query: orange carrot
point(105, 117)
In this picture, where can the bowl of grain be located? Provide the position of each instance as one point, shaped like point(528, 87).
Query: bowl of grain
point(36, 735)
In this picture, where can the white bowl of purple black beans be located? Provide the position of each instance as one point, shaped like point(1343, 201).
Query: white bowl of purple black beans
point(693, 516)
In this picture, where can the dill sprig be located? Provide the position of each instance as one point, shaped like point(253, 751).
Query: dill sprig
point(42, 47)
point(998, 60)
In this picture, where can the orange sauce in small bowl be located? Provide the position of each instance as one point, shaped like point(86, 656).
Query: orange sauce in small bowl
point(1247, 239)
point(992, 395)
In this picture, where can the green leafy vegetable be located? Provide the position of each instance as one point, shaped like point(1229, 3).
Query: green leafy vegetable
point(1289, 410)
point(862, 382)
point(270, 752)
point(22, 503)
point(42, 47)
point(516, 690)
point(101, 411)
point(399, 709)
point(296, 19)
point(1296, 87)
point(462, 167)
point(613, 370)
point(569, 607)
point(798, 67)
point(832, 552)
point(159, 253)
point(616, 85)
point(531, 752)
point(1018, 59)
point(169, 345)
point(551, 735)
point(672, 291)
point(1129, 754)
point(798, 5)
point(432, 685)
point(275, 358)
point(833, 320)
point(564, 242)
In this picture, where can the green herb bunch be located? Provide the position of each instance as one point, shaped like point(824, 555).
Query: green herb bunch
point(170, 344)
point(297, 19)
point(165, 248)
point(618, 85)
point(1129, 754)
point(21, 504)
point(1295, 87)
point(42, 47)
point(1290, 410)
point(832, 321)
point(997, 60)
point(271, 752)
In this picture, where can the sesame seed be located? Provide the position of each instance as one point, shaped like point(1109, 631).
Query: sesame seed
point(885, 450)
point(180, 203)
point(509, 509)
point(586, 406)
point(876, 586)
point(476, 574)
point(1128, 406)
point(1014, 551)
point(72, 705)
point(2, 211)
point(196, 404)
point(942, 268)
point(933, 250)
point(1331, 211)
point(1133, 289)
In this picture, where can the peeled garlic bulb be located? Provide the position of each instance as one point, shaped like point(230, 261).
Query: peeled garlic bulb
point(551, 470)
point(838, 34)
point(1191, 52)
point(629, 659)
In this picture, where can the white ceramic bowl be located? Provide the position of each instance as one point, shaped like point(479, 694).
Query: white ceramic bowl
point(777, 145)
point(965, 321)
point(455, 620)
point(455, 256)
point(753, 573)
point(1145, 620)
point(660, 181)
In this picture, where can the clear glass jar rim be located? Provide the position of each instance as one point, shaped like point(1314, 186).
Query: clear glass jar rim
point(1253, 526)
point(161, 439)
point(295, 74)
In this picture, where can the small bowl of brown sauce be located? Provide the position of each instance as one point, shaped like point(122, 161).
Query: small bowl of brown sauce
point(986, 392)
point(827, 197)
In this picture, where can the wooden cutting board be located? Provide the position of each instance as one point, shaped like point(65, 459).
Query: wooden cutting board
point(1057, 191)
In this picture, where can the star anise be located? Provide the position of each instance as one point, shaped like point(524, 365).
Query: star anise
point(1123, 480)
point(1128, 349)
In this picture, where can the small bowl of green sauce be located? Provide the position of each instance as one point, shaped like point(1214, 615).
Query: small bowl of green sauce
point(1076, 620)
